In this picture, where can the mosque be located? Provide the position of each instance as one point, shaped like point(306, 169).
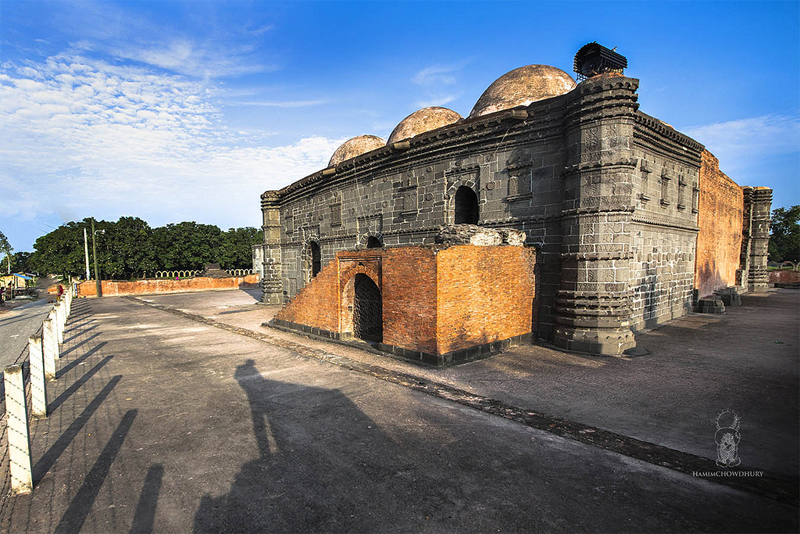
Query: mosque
point(629, 223)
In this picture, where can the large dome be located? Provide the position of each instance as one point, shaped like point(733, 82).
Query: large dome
point(355, 147)
point(421, 121)
point(522, 86)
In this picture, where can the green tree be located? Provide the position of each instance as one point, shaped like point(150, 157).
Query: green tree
point(236, 251)
point(60, 252)
point(187, 245)
point(21, 262)
point(784, 242)
point(5, 248)
point(125, 248)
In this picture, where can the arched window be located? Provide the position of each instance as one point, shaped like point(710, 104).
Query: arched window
point(373, 242)
point(316, 259)
point(367, 309)
point(466, 204)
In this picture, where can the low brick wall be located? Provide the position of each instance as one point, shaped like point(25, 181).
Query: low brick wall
point(114, 288)
point(440, 304)
point(784, 277)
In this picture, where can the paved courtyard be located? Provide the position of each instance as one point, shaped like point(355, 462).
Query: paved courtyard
point(178, 413)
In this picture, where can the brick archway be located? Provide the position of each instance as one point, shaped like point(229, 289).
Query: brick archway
point(347, 291)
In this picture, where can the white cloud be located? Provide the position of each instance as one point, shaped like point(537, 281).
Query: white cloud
point(282, 104)
point(440, 100)
point(438, 74)
point(742, 143)
point(86, 137)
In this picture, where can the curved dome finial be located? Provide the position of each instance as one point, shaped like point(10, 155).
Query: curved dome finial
point(421, 121)
point(355, 147)
point(522, 86)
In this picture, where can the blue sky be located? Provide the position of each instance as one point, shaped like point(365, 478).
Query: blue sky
point(174, 111)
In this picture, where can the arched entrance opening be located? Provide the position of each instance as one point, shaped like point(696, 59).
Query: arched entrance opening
point(374, 242)
point(316, 259)
point(466, 204)
point(367, 309)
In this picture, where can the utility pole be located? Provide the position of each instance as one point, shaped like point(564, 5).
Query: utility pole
point(86, 252)
point(98, 285)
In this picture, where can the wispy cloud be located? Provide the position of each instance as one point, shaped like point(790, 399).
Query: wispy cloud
point(203, 50)
point(438, 74)
point(281, 104)
point(440, 100)
point(742, 143)
point(113, 140)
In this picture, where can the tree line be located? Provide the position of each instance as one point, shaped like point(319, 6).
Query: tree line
point(130, 248)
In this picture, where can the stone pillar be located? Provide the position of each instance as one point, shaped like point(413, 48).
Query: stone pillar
point(760, 199)
point(271, 281)
point(38, 378)
point(593, 310)
point(19, 445)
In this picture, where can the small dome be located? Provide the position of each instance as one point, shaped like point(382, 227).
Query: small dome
point(522, 86)
point(421, 121)
point(355, 147)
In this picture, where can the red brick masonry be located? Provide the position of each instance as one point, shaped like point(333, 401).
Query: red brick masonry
point(719, 242)
point(112, 288)
point(440, 304)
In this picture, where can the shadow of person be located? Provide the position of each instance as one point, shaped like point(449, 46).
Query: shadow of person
point(321, 461)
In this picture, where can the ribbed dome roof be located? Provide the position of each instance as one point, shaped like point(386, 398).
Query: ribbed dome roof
point(522, 86)
point(421, 121)
point(355, 147)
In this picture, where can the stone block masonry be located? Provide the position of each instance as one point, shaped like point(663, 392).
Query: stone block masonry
point(440, 304)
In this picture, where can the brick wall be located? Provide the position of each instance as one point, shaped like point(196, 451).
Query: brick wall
point(436, 300)
point(317, 304)
point(484, 294)
point(784, 277)
point(719, 241)
point(409, 295)
point(114, 288)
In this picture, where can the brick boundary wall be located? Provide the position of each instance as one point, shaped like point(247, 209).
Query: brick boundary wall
point(784, 277)
point(719, 242)
point(115, 288)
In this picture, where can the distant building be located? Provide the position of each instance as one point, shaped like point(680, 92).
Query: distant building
point(627, 215)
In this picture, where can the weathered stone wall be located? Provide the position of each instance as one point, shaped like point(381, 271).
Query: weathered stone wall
point(512, 163)
point(114, 288)
point(663, 223)
point(719, 241)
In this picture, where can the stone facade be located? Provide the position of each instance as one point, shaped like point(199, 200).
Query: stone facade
point(607, 196)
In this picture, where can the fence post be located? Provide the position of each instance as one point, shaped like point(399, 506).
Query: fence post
point(59, 325)
point(19, 446)
point(38, 387)
point(50, 346)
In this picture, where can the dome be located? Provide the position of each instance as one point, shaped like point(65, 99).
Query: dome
point(355, 147)
point(522, 86)
point(421, 121)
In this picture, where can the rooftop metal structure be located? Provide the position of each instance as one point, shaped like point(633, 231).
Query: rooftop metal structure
point(593, 59)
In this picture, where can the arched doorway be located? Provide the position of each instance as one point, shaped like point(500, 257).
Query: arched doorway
point(374, 242)
point(367, 309)
point(466, 204)
point(316, 259)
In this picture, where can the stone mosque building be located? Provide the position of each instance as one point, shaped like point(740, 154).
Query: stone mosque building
point(598, 221)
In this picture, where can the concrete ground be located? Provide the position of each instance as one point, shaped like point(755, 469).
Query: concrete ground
point(205, 421)
point(20, 321)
